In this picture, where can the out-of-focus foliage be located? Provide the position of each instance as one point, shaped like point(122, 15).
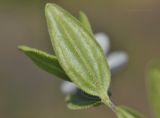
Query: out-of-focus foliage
point(124, 112)
point(154, 88)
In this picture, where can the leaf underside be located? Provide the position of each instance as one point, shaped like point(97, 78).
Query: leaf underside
point(77, 51)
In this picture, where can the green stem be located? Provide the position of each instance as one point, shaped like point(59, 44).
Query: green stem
point(106, 100)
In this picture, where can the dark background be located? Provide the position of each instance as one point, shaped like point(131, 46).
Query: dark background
point(28, 92)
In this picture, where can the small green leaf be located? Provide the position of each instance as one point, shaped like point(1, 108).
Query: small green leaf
point(78, 53)
point(45, 61)
point(154, 88)
point(78, 101)
point(85, 22)
point(124, 112)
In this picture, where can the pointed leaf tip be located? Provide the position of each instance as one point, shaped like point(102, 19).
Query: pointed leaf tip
point(85, 22)
point(45, 61)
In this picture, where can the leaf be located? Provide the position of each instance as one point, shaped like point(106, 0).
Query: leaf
point(45, 61)
point(124, 112)
point(77, 51)
point(154, 88)
point(79, 101)
point(85, 22)
point(82, 100)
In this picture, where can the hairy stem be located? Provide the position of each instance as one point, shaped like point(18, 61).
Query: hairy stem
point(106, 100)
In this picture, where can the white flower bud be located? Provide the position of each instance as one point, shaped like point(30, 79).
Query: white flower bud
point(68, 88)
point(117, 60)
point(104, 42)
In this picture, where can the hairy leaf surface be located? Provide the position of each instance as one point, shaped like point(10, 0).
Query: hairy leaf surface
point(77, 51)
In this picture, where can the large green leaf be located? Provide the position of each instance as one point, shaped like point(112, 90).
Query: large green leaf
point(45, 61)
point(78, 101)
point(154, 88)
point(124, 112)
point(85, 22)
point(78, 53)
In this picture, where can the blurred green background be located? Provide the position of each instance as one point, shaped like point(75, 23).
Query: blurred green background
point(28, 92)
